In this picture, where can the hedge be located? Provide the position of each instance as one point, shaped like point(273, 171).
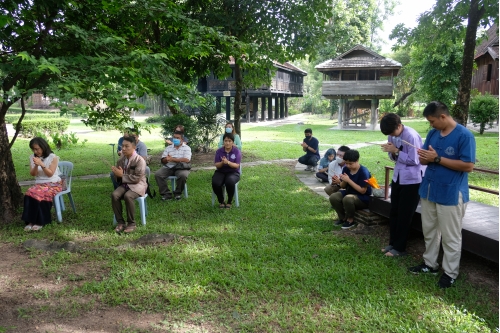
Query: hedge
point(14, 118)
point(46, 126)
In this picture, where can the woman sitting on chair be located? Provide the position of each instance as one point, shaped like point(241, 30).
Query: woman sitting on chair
point(229, 128)
point(227, 162)
point(38, 199)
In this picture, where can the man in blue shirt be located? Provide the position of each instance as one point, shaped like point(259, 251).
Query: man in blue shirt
point(449, 152)
point(310, 145)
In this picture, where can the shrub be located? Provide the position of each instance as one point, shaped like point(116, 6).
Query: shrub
point(209, 124)
point(483, 110)
point(190, 126)
point(155, 119)
point(47, 126)
point(14, 118)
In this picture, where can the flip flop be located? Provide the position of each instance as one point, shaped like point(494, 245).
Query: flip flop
point(228, 206)
point(129, 229)
point(28, 228)
point(119, 228)
point(36, 227)
point(222, 206)
point(387, 248)
point(395, 253)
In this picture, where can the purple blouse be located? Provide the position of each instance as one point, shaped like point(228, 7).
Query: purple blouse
point(233, 156)
point(408, 166)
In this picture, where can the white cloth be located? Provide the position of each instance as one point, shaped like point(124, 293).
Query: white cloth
point(334, 169)
point(41, 177)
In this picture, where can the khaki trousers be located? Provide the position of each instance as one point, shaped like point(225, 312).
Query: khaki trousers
point(116, 202)
point(330, 189)
point(444, 223)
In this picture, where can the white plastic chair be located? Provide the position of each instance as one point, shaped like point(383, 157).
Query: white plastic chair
point(66, 169)
point(173, 179)
point(143, 207)
point(236, 197)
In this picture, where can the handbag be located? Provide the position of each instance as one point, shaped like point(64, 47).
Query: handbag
point(182, 166)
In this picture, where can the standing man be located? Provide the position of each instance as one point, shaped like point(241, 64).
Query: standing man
point(449, 152)
point(130, 173)
point(402, 145)
point(173, 157)
point(310, 145)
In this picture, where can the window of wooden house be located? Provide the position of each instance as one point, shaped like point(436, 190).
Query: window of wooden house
point(488, 75)
point(349, 75)
point(335, 76)
point(366, 75)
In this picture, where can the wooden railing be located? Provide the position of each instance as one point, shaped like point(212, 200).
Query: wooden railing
point(482, 189)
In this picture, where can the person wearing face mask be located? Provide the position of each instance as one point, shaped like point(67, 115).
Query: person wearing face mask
point(178, 128)
point(322, 174)
point(402, 145)
point(173, 154)
point(310, 145)
point(229, 128)
point(335, 170)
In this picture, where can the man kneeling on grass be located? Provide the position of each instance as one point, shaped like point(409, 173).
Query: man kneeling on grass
point(354, 193)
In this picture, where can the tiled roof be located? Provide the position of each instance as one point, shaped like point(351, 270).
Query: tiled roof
point(489, 45)
point(359, 57)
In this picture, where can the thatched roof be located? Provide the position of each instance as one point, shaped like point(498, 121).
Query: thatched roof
point(489, 45)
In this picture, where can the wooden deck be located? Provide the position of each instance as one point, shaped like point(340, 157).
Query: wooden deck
point(479, 229)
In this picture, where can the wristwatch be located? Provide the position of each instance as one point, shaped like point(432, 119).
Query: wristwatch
point(437, 159)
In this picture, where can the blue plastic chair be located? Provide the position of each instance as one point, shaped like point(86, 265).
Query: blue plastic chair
point(143, 207)
point(236, 197)
point(173, 180)
point(66, 169)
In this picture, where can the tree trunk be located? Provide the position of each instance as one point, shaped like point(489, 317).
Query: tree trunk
point(11, 197)
point(461, 110)
point(238, 78)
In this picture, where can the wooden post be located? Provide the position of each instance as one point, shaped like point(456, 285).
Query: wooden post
point(247, 106)
point(374, 115)
point(286, 107)
point(270, 108)
point(339, 115)
point(282, 107)
point(218, 104)
point(262, 109)
point(228, 108)
point(276, 107)
point(255, 103)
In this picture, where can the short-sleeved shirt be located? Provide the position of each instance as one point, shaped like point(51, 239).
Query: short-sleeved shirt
point(314, 144)
point(233, 156)
point(184, 151)
point(334, 169)
point(41, 177)
point(441, 184)
point(358, 178)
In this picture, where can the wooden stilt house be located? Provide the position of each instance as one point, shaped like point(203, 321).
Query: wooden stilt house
point(359, 78)
point(485, 76)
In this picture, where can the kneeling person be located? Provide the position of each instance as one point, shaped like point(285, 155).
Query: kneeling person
point(130, 173)
point(354, 193)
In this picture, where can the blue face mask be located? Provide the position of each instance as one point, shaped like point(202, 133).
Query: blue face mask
point(229, 130)
point(176, 142)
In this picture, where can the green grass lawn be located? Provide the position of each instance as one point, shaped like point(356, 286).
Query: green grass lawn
point(268, 266)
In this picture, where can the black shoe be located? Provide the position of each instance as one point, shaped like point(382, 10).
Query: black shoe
point(445, 281)
point(339, 222)
point(423, 268)
point(165, 198)
point(178, 197)
point(348, 225)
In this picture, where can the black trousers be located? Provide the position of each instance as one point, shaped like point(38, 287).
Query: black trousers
point(229, 180)
point(404, 201)
point(36, 212)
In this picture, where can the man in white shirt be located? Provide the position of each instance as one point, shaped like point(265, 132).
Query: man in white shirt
point(335, 170)
point(176, 153)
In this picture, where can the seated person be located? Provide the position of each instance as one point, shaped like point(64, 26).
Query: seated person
point(130, 173)
point(229, 128)
point(322, 174)
point(354, 193)
point(335, 170)
point(120, 141)
point(178, 128)
point(39, 197)
point(140, 147)
point(175, 153)
point(310, 146)
point(227, 161)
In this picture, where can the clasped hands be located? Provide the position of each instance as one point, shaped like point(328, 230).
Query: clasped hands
point(38, 161)
point(427, 155)
point(118, 171)
point(224, 160)
point(389, 148)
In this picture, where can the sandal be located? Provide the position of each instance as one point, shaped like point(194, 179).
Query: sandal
point(395, 253)
point(36, 227)
point(228, 206)
point(387, 248)
point(28, 227)
point(119, 228)
point(222, 206)
point(129, 228)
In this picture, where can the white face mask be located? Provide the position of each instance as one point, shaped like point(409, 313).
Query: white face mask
point(339, 160)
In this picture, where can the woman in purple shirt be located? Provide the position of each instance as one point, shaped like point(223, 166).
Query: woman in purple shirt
point(402, 146)
point(227, 161)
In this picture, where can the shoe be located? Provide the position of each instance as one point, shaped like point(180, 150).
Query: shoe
point(36, 227)
point(129, 228)
point(178, 197)
point(387, 249)
point(395, 253)
point(338, 222)
point(319, 179)
point(348, 225)
point(308, 168)
point(119, 228)
point(228, 206)
point(222, 206)
point(423, 268)
point(445, 281)
point(28, 228)
point(165, 198)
